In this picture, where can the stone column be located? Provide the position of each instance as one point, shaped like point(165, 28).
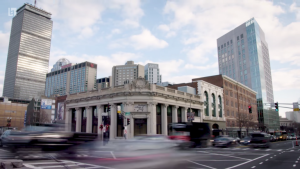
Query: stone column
point(89, 116)
point(78, 119)
point(184, 114)
point(113, 122)
point(68, 119)
point(164, 125)
point(152, 116)
point(99, 112)
point(174, 114)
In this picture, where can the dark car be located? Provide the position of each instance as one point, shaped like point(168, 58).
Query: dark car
point(245, 141)
point(224, 142)
point(260, 140)
point(47, 137)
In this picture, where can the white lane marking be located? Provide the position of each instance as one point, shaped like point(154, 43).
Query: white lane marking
point(274, 155)
point(248, 161)
point(113, 155)
point(69, 163)
point(201, 164)
point(271, 157)
point(220, 160)
point(261, 163)
point(267, 159)
point(292, 150)
point(246, 149)
point(294, 165)
point(224, 155)
point(279, 150)
point(268, 149)
point(253, 167)
point(296, 161)
point(256, 149)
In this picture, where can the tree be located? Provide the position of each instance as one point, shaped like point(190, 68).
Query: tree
point(241, 121)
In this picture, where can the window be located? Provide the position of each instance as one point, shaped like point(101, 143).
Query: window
point(242, 36)
point(238, 38)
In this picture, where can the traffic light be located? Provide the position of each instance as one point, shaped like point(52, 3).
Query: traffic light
point(108, 108)
point(128, 122)
point(276, 106)
point(250, 109)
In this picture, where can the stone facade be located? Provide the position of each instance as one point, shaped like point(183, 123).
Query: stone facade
point(151, 109)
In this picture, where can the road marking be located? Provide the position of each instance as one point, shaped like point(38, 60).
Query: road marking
point(279, 150)
point(224, 155)
point(220, 160)
point(256, 149)
point(253, 167)
point(248, 161)
point(268, 149)
point(201, 164)
point(261, 163)
point(294, 165)
point(271, 157)
point(274, 155)
point(267, 159)
point(292, 150)
point(113, 155)
point(246, 149)
point(296, 161)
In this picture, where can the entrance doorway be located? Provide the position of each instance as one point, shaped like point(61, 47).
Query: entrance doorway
point(140, 126)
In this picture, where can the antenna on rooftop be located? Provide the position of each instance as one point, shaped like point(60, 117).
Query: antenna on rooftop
point(34, 3)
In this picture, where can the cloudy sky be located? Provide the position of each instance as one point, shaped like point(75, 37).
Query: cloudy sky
point(179, 35)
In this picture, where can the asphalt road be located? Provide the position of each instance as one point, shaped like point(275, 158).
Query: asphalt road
point(281, 155)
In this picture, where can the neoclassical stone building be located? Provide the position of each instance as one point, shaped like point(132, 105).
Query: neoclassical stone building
point(151, 109)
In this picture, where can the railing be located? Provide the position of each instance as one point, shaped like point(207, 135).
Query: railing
point(189, 95)
point(160, 88)
point(179, 92)
point(171, 90)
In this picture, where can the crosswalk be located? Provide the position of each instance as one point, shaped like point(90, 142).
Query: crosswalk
point(241, 149)
point(62, 164)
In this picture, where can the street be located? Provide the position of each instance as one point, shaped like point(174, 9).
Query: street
point(280, 155)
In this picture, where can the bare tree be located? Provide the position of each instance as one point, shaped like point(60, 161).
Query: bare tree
point(241, 121)
point(44, 116)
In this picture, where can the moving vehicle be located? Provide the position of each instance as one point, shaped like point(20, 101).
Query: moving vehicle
point(282, 135)
point(245, 140)
point(260, 139)
point(47, 137)
point(273, 138)
point(224, 141)
point(190, 134)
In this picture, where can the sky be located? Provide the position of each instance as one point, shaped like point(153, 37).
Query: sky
point(181, 36)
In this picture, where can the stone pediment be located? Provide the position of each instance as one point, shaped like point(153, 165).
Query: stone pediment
point(140, 83)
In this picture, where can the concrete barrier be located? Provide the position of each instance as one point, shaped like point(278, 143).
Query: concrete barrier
point(9, 164)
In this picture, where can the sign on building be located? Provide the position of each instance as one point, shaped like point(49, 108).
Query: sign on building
point(296, 106)
point(140, 108)
point(60, 111)
point(46, 104)
point(190, 115)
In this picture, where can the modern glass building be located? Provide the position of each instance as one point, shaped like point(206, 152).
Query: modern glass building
point(71, 79)
point(28, 53)
point(243, 55)
point(152, 73)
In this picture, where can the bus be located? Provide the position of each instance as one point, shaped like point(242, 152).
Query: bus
point(281, 135)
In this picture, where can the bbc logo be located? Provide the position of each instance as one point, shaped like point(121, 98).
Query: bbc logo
point(12, 11)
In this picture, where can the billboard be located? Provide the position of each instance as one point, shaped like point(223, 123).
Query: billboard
point(60, 111)
point(46, 104)
point(67, 65)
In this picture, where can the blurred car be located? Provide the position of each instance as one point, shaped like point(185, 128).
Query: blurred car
point(289, 137)
point(217, 137)
point(260, 139)
point(224, 142)
point(245, 140)
point(273, 138)
point(149, 142)
point(47, 137)
point(237, 140)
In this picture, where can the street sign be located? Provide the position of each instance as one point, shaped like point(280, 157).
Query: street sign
point(127, 113)
point(296, 106)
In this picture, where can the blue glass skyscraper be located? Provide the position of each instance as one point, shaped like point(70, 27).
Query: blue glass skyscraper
point(243, 55)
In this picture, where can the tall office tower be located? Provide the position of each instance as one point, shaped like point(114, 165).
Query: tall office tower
point(71, 79)
point(28, 53)
point(126, 73)
point(244, 56)
point(152, 73)
point(60, 63)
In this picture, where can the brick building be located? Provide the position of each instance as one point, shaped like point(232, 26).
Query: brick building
point(237, 98)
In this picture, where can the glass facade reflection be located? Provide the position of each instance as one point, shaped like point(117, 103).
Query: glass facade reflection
point(244, 56)
point(28, 53)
